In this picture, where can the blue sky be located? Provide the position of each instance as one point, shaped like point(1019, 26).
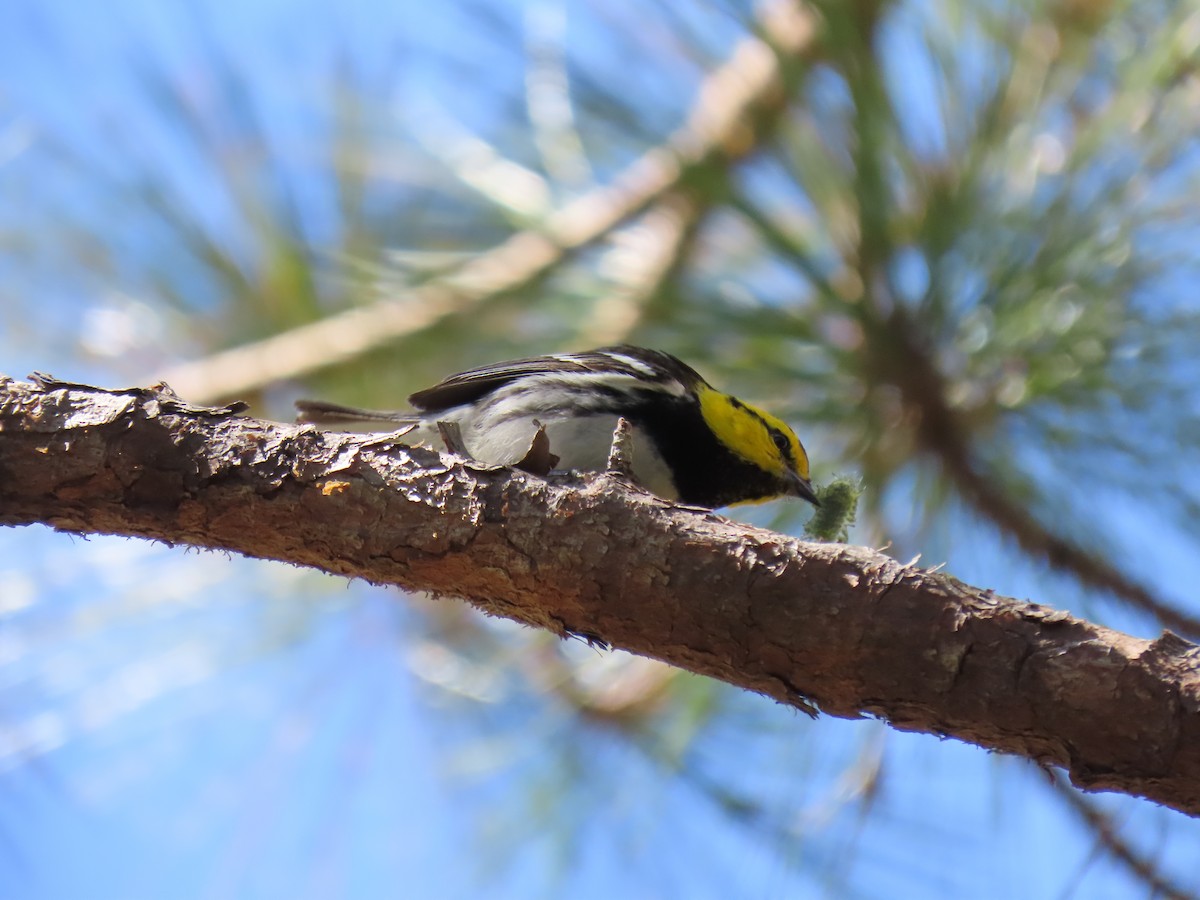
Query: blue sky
point(188, 725)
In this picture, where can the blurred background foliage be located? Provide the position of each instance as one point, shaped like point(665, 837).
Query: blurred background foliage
point(952, 242)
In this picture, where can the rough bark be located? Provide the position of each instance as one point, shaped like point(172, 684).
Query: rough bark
point(836, 627)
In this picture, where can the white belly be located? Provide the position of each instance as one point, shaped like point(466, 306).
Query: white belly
point(581, 443)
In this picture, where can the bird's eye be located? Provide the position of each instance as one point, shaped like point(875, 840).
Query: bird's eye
point(781, 443)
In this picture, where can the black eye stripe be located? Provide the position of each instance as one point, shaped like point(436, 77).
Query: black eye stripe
point(778, 438)
point(782, 444)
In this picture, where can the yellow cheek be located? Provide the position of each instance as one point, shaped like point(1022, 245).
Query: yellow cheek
point(741, 430)
point(803, 465)
point(801, 458)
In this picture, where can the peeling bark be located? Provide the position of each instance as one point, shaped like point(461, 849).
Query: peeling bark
point(838, 627)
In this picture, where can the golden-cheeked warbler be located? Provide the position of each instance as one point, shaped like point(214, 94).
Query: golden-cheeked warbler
point(690, 442)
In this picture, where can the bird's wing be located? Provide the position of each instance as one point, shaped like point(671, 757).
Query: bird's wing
point(619, 362)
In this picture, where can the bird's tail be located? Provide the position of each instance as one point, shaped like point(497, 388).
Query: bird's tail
point(318, 412)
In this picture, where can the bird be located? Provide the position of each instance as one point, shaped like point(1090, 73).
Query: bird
point(691, 443)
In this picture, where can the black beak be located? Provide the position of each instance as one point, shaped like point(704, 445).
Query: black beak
point(803, 489)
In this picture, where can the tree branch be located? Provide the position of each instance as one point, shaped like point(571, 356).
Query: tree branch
point(942, 433)
point(841, 627)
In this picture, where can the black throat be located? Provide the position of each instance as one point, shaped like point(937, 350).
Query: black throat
point(705, 471)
